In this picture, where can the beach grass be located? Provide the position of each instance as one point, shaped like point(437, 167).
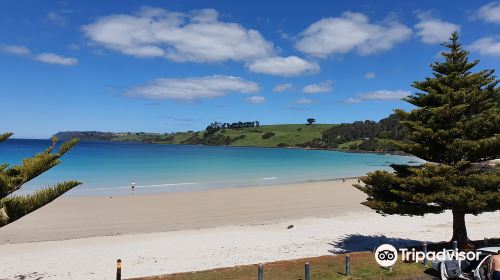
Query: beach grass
point(363, 266)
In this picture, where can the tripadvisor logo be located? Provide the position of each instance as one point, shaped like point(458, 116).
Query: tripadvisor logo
point(386, 255)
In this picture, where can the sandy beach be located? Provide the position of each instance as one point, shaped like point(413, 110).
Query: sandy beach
point(81, 237)
point(77, 217)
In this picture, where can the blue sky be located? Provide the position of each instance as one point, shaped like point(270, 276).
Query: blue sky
point(163, 66)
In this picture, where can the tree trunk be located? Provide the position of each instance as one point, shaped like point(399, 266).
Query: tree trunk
point(460, 230)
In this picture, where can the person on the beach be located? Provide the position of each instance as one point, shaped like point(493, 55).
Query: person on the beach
point(132, 185)
point(495, 266)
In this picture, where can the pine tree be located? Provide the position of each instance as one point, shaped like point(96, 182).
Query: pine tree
point(455, 128)
point(13, 207)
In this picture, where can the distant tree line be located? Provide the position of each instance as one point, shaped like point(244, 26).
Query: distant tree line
point(216, 126)
point(368, 131)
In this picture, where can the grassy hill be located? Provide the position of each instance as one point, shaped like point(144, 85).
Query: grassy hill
point(283, 135)
point(286, 135)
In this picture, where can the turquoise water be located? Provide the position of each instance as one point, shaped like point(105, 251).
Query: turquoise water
point(108, 168)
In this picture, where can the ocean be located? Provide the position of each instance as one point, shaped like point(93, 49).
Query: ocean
point(107, 168)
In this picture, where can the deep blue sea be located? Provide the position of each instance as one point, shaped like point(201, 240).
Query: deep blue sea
point(108, 168)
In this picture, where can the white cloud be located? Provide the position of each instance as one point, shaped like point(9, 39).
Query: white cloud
point(256, 99)
point(370, 75)
point(191, 89)
point(432, 30)
point(56, 18)
point(13, 49)
point(282, 87)
point(382, 95)
point(389, 95)
point(487, 46)
point(322, 87)
point(351, 32)
point(53, 58)
point(283, 66)
point(197, 36)
point(490, 12)
point(304, 101)
point(353, 100)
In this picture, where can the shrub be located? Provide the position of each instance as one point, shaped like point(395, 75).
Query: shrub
point(239, 137)
point(268, 135)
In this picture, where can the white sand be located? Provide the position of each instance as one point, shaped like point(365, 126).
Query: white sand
point(148, 254)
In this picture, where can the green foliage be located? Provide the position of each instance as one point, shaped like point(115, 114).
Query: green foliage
point(458, 119)
point(455, 128)
point(13, 207)
point(388, 128)
point(432, 188)
point(4, 136)
point(361, 135)
point(375, 145)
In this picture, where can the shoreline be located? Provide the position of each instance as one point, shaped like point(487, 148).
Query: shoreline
point(395, 153)
point(269, 185)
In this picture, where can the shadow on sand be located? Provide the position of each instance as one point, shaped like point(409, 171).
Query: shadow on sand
point(359, 243)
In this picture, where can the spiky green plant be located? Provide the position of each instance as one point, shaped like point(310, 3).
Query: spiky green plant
point(456, 129)
point(12, 178)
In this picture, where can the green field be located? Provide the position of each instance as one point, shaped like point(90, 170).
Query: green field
point(288, 134)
